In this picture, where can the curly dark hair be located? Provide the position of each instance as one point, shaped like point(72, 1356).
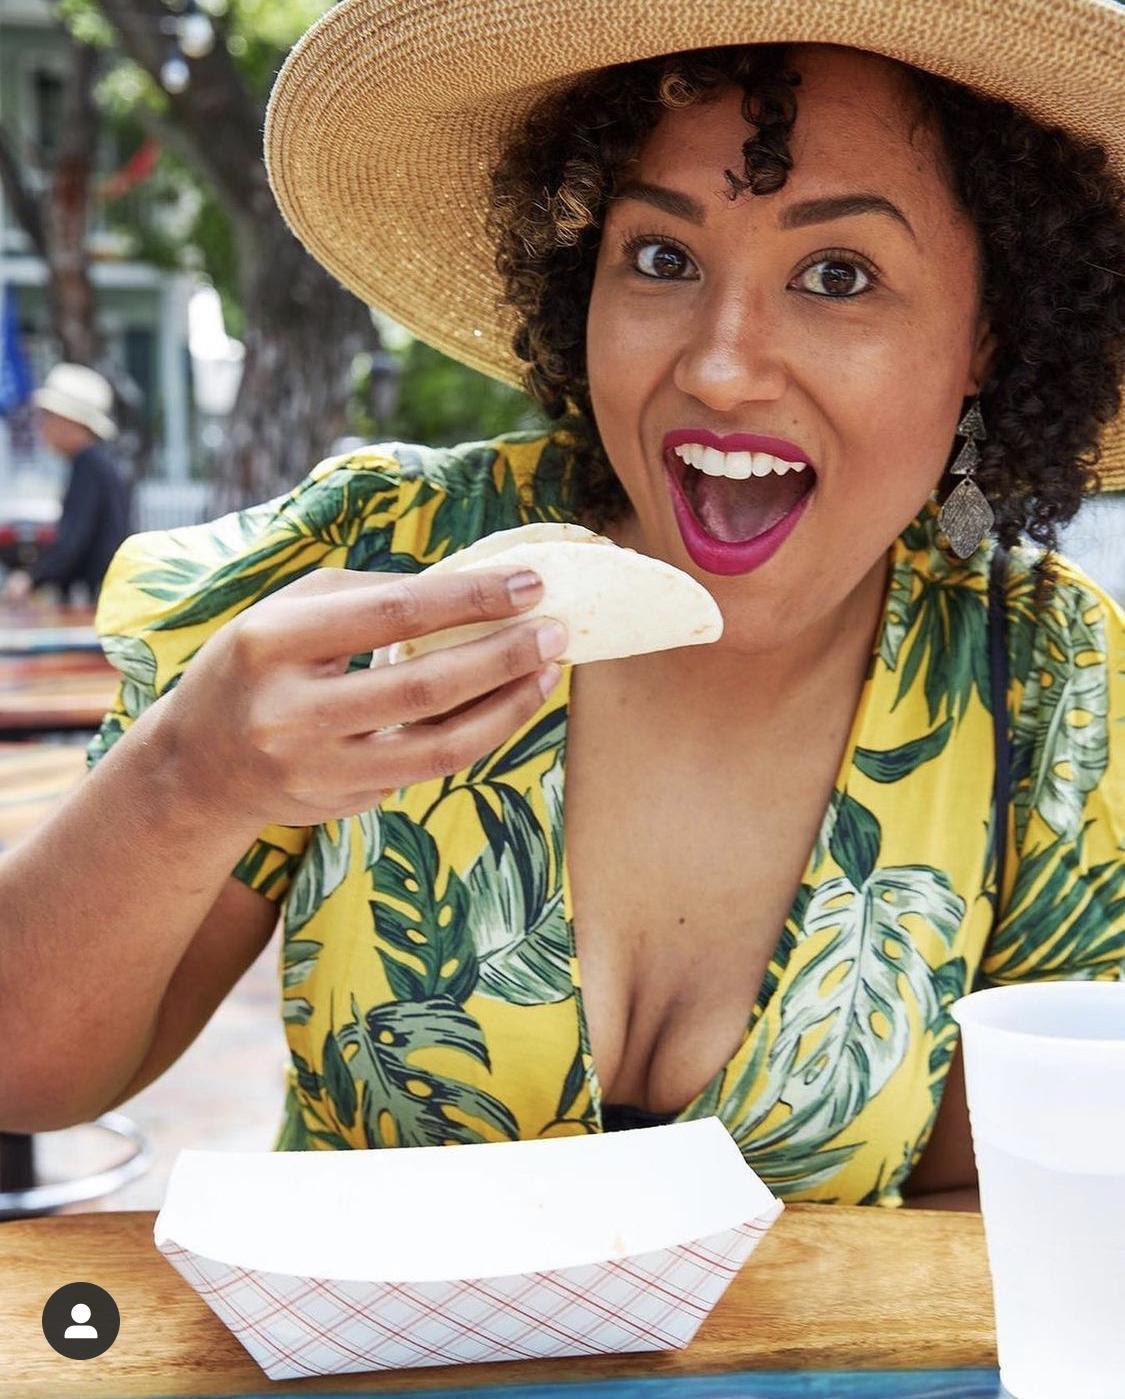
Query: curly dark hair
point(1049, 215)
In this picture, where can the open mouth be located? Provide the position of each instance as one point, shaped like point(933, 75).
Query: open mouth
point(735, 511)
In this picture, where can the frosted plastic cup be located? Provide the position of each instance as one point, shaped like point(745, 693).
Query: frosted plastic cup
point(1045, 1076)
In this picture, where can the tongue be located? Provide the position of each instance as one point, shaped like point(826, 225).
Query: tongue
point(735, 511)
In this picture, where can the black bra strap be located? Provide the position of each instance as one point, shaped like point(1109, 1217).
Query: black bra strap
point(998, 675)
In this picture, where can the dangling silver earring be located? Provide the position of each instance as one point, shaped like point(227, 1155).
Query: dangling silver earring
point(966, 517)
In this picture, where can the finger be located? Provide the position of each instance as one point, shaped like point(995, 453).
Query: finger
point(366, 612)
point(428, 688)
point(419, 753)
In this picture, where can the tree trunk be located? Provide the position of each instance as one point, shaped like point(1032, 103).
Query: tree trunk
point(302, 332)
point(66, 216)
point(57, 225)
point(302, 328)
point(56, 220)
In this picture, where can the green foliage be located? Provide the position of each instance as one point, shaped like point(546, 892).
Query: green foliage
point(86, 22)
point(174, 221)
point(442, 402)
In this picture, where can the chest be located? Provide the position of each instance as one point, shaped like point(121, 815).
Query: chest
point(684, 855)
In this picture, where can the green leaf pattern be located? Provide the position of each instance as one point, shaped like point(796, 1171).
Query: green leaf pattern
point(1063, 722)
point(427, 973)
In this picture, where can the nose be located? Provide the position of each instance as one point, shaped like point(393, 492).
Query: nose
point(733, 353)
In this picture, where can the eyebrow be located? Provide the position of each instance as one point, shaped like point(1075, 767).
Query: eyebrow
point(809, 211)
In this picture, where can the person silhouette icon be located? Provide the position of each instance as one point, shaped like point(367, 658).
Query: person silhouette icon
point(68, 1321)
point(80, 1313)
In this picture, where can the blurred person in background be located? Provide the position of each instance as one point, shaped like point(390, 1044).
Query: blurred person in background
point(73, 418)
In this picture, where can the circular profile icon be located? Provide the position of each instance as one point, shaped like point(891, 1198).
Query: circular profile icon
point(81, 1320)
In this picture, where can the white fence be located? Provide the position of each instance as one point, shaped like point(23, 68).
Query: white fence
point(170, 504)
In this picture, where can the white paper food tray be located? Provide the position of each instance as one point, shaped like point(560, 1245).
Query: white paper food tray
point(332, 1262)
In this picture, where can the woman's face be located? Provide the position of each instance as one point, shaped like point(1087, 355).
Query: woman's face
point(851, 333)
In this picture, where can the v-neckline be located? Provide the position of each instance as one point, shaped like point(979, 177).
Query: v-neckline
point(775, 971)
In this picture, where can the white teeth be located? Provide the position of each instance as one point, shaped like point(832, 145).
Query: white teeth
point(737, 465)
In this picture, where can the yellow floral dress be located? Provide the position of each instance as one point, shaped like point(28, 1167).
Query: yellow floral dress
point(429, 984)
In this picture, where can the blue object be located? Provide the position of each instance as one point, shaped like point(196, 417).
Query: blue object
point(742, 1384)
point(15, 372)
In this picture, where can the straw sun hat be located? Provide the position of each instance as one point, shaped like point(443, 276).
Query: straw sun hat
point(388, 116)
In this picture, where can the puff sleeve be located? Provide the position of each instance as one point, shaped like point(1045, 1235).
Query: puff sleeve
point(166, 592)
point(1064, 917)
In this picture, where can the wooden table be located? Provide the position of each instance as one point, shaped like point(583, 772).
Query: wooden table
point(33, 627)
point(33, 778)
point(52, 671)
point(55, 690)
point(829, 1288)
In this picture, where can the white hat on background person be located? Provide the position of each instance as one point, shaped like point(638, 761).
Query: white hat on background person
point(80, 394)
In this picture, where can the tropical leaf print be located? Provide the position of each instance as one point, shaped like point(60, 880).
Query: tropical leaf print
point(545, 736)
point(296, 1010)
point(330, 511)
point(844, 1002)
point(572, 1086)
point(371, 833)
point(893, 764)
point(134, 658)
point(518, 929)
point(896, 621)
point(300, 956)
point(842, 1031)
point(1061, 729)
point(231, 585)
point(823, 840)
point(371, 552)
point(946, 641)
point(1065, 919)
point(322, 871)
point(549, 480)
point(474, 489)
point(399, 1103)
point(784, 1169)
point(305, 1104)
point(950, 983)
point(266, 865)
point(393, 1026)
point(422, 936)
point(553, 795)
point(338, 504)
point(855, 841)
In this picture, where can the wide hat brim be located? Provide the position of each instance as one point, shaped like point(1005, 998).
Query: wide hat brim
point(388, 116)
point(76, 410)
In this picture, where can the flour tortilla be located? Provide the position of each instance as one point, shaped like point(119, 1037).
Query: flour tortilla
point(613, 601)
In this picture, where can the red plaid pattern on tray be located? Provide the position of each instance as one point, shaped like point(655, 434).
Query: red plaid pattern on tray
point(296, 1327)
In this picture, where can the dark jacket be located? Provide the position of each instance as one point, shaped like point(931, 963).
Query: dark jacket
point(95, 519)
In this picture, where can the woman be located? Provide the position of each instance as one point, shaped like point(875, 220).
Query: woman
point(780, 861)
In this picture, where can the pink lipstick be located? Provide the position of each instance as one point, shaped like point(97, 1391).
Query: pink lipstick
point(717, 555)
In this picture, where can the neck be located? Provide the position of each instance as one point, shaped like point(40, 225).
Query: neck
point(732, 686)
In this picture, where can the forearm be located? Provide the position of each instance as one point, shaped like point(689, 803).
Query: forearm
point(99, 905)
point(963, 1198)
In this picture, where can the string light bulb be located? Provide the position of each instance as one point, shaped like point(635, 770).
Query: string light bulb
point(195, 33)
point(174, 74)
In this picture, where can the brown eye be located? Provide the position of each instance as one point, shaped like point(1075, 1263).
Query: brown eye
point(654, 258)
point(834, 277)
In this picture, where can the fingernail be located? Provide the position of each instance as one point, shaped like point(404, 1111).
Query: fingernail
point(548, 678)
point(551, 639)
point(523, 586)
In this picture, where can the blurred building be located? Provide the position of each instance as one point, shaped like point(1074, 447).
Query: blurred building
point(142, 310)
